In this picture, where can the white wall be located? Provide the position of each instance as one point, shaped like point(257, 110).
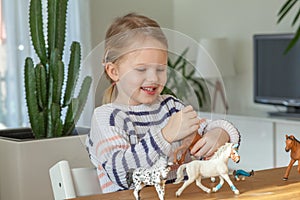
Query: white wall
point(104, 11)
point(237, 20)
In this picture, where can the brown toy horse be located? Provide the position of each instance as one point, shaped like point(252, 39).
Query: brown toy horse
point(293, 145)
point(185, 147)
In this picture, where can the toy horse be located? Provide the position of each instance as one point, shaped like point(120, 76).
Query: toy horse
point(216, 166)
point(186, 146)
point(293, 145)
point(155, 176)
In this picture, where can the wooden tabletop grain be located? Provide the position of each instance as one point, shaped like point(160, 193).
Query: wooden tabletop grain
point(265, 184)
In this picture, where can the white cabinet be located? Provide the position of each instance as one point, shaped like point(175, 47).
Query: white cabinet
point(262, 140)
point(257, 143)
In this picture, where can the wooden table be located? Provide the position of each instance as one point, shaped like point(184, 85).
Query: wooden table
point(265, 184)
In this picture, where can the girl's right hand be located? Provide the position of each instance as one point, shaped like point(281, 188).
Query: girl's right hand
point(181, 125)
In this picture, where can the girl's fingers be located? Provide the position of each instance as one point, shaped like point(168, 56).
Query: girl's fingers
point(194, 121)
point(203, 151)
point(210, 153)
point(187, 109)
point(198, 146)
point(193, 114)
point(190, 115)
point(202, 120)
point(194, 128)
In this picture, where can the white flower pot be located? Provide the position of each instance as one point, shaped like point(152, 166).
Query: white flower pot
point(24, 165)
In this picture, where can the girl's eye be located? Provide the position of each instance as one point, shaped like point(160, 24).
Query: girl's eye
point(140, 69)
point(162, 69)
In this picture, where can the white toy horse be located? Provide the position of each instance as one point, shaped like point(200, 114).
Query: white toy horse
point(216, 166)
point(155, 176)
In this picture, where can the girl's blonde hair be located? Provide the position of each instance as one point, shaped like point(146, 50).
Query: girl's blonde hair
point(121, 35)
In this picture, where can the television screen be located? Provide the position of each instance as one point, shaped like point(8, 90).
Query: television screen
point(276, 73)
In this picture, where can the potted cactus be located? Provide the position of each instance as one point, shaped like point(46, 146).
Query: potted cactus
point(24, 164)
point(44, 82)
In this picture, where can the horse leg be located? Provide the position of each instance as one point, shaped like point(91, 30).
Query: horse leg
point(288, 169)
point(163, 184)
point(160, 189)
point(175, 154)
point(185, 184)
point(218, 187)
point(182, 158)
point(233, 188)
point(212, 179)
point(199, 184)
point(137, 188)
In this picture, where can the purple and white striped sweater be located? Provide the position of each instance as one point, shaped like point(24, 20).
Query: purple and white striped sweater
point(124, 137)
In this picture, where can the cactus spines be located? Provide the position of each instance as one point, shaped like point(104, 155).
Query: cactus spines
point(52, 26)
point(36, 29)
point(73, 72)
point(44, 82)
point(57, 12)
point(77, 105)
point(31, 97)
point(41, 84)
point(61, 26)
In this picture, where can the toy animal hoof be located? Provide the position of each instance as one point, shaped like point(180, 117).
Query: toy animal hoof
point(208, 191)
point(236, 192)
point(214, 189)
point(285, 179)
point(177, 194)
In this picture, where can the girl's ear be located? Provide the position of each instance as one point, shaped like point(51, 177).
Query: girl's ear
point(112, 71)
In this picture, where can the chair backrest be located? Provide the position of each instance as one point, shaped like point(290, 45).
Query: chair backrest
point(70, 183)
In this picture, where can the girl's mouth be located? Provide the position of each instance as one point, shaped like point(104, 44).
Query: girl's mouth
point(149, 90)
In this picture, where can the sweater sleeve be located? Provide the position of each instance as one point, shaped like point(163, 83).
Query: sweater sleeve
point(232, 131)
point(110, 148)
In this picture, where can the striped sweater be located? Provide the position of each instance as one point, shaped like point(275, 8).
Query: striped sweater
point(124, 137)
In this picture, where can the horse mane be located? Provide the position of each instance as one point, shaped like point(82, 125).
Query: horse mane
point(162, 161)
point(293, 138)
point(220, 151)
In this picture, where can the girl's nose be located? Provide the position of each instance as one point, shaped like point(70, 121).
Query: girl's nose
point(152, 75)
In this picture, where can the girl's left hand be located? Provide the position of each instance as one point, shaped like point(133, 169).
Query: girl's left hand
point(209, 143)
point(181, 124)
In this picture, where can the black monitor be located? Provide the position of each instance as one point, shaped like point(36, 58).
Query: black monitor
point(277, 74)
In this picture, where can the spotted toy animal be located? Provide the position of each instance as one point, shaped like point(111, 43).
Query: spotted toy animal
point(154, 176)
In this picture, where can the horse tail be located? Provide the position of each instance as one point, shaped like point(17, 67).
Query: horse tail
point(129, 178)
point(179, 174)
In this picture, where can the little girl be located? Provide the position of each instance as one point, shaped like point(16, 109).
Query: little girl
point(136, 124)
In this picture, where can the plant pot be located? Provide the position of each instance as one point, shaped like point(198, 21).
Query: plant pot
point(25, 163)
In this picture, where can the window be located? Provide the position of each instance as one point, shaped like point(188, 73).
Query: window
point(17, 46)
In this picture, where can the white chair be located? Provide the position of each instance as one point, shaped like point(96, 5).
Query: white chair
point(70, 183)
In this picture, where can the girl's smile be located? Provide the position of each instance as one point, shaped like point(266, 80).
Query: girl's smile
point(150, 90)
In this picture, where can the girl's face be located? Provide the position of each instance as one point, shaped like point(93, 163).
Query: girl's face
point(142, 75)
